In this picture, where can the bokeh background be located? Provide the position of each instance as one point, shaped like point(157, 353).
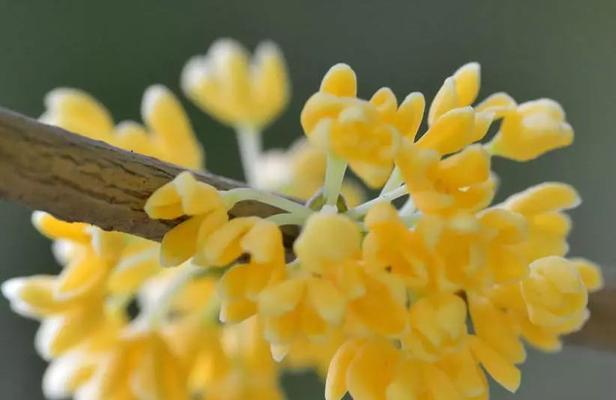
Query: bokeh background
point(114, 49)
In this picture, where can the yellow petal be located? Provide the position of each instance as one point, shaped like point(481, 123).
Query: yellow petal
point(59, 334)
point(180, 243)
point(327, 239)
point(336, 382)
point(34, 296)
point(78, 112)
point(467, 80)
point(132, 271)
point(327, 300)
point(279, 299)
point(450, 132)
point(410, 114)
point(223, 246)
point(463, 169)
point(590, 273)
point(549, 196)
point(264, 243)
point(83, 276)
point(340, 81)
point(270, 82)
point(533, 129)
point(498, 104)
point(372, 369)
point(445, 99)
point(385, 102)
point(503, 371)
point(54, 228)
point(492, 327)
point(165, 116)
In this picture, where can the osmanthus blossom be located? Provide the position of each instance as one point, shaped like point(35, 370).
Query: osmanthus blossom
point(425, 291)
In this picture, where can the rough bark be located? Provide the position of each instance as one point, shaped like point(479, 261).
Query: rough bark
point(79, 179)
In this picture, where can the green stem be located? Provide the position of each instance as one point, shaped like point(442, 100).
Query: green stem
point(233, 196)
point(249, 141)
point(363, 209)
point(394, 181)
point(334, 175)
point(287, 219)
point(408, 207)
point(411, 219)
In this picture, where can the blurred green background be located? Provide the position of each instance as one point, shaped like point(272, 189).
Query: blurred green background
point(115, 49)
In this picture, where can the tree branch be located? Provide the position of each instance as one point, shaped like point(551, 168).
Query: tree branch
point(79, 179)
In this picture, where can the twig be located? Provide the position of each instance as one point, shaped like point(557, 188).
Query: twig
point(79, 179)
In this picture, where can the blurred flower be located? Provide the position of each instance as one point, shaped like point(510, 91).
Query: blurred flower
point(168, 136)
point(235, 90)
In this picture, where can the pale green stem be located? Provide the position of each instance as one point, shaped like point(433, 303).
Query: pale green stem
point(183, 276)
point(233, 196)
point(249, 141)
point(362, 209)
point(287, 219)
point(394, 181)
point(411, 219)
point(408, 207)
point(334, 175)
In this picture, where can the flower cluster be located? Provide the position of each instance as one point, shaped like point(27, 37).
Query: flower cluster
point(418, 293)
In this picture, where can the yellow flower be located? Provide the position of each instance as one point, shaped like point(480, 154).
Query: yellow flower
point(438, 326)
point(390, 245)
point(364, 368)
point(184, 195)
point(364, 133)
point(459, 90)
point(168, 136)
point(555, 294)
point(502, 370)
point(376, 369)
point(326, 242)
point(532, 129)
point(548, 227)
point(493, 327)
point(461, 182)
point(241, 285)
point(304, 353)
point(235, 90)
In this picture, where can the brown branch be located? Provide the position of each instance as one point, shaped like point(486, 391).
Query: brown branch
point(79, 179)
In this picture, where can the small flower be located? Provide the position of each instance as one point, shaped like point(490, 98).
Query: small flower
point(459, 90)
point(438, 326)
point(532, 129)
point(461, 182)
point(364, 133)
point(235, 90)
point(555, 294)
point(241, 285)
point(186, 196)
point(548, 226)
point(390, 245)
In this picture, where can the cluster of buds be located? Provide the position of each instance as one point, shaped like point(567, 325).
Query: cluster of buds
point(420, 292)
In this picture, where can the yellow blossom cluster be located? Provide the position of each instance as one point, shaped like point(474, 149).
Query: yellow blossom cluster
point(422, 292)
